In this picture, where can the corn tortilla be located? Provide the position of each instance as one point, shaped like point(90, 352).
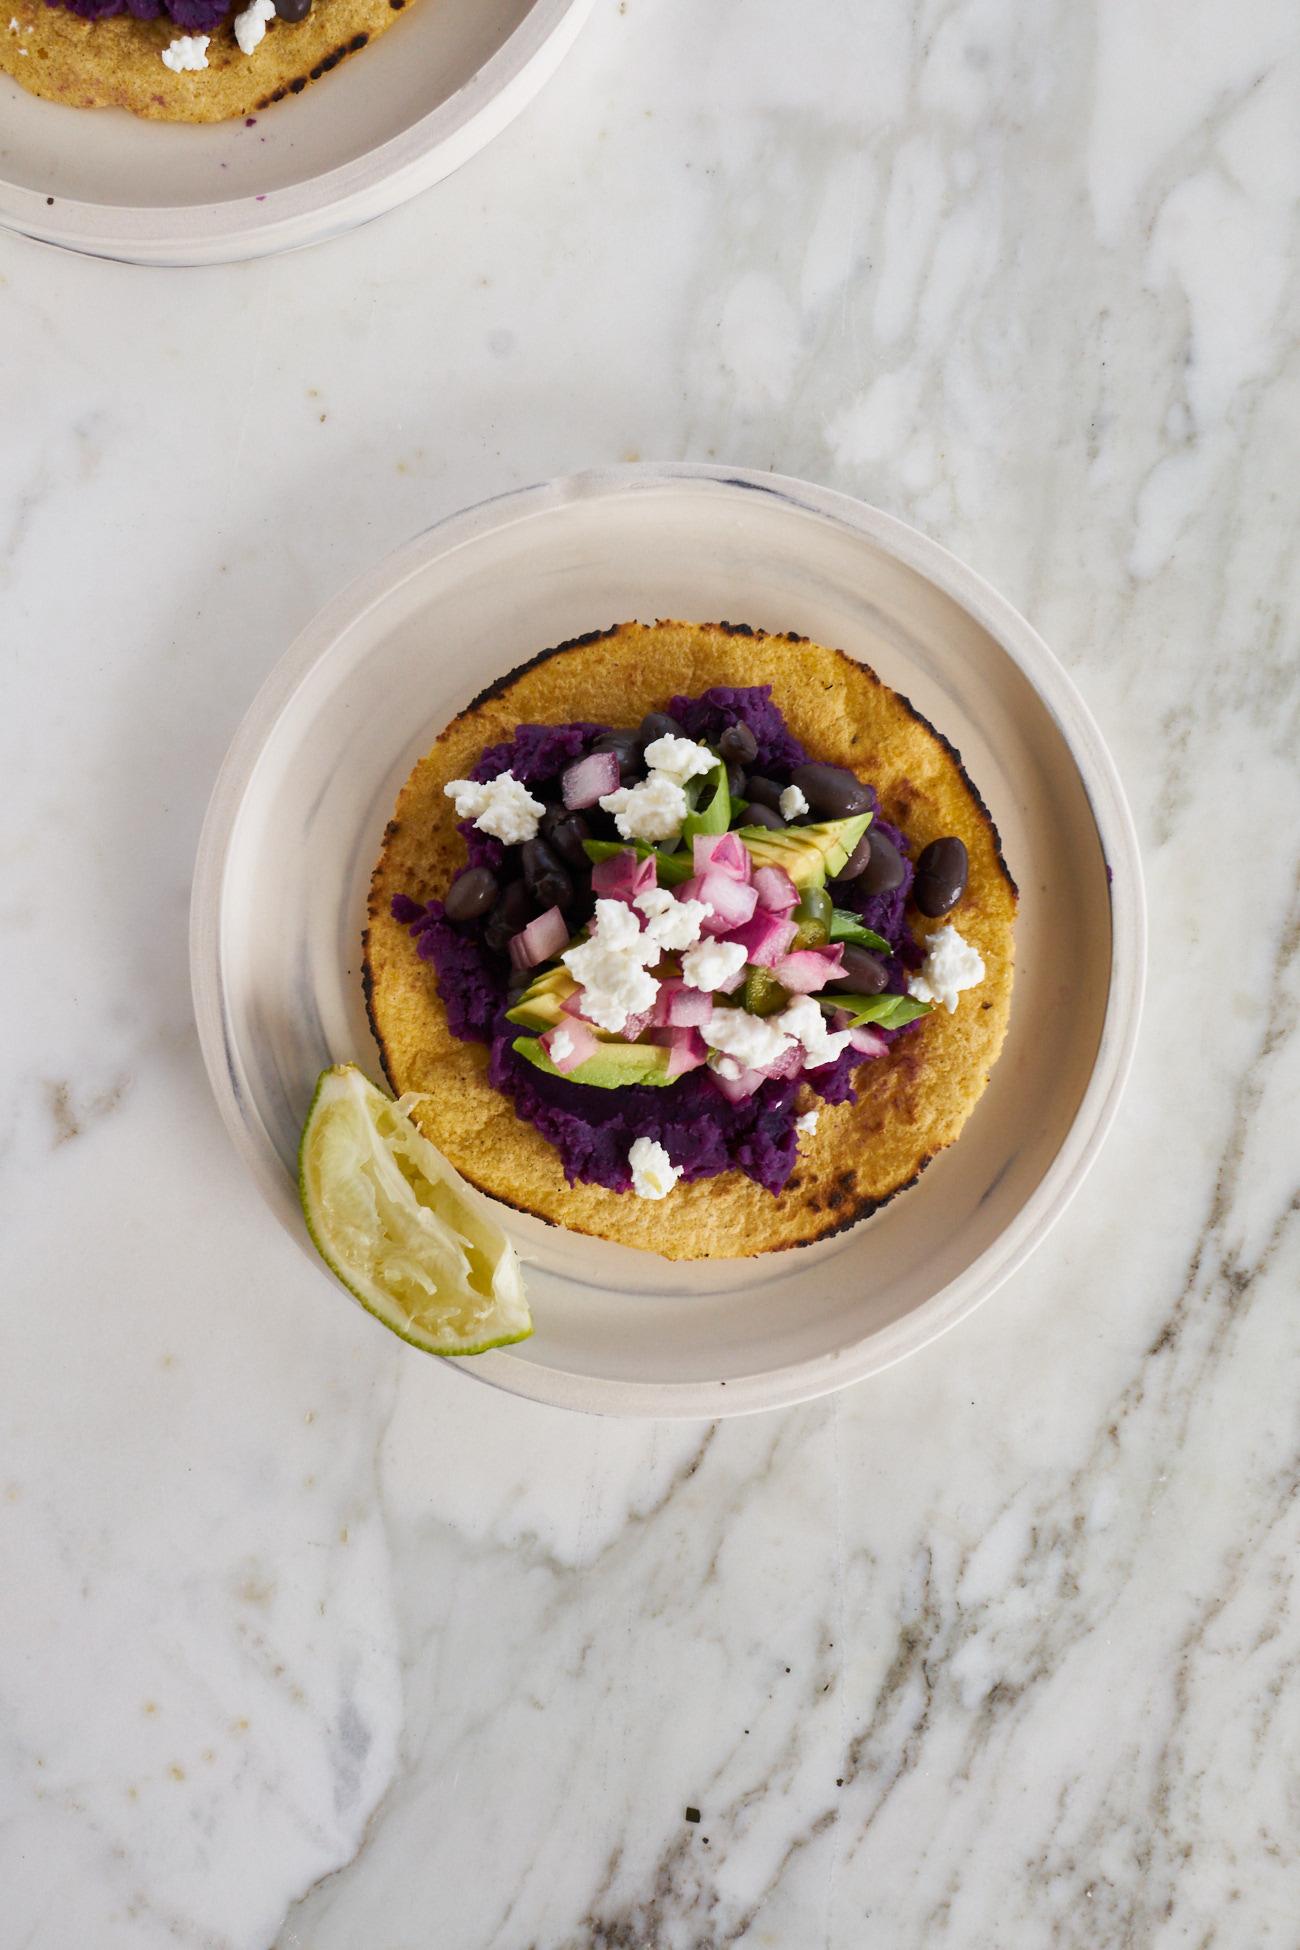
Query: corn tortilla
point(911, 1103)
point(117, 62)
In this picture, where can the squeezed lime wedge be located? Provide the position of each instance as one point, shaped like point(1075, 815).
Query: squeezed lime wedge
point(392, 1220)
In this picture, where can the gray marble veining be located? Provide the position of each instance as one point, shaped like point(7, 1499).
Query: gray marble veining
point(303, 1641)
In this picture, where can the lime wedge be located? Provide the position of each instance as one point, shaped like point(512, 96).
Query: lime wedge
point(392, 1220)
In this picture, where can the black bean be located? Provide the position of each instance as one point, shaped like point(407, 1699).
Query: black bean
point(471, 893)
point(658, 724)
point(831, 790)
point(513, 911)
point(292, 10)
point(940, 876)
point(765, 792)
point(757, 815)
point(736, 782)
point(855, 864)
point(738, 745)
point(548, 883)
point(884, 870)
point(629, 748)
point(862, 973)
point(566, 831)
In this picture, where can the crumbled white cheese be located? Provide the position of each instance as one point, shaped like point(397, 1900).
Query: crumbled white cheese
point(560, 1046)
point(674, 924)
point(754, 1041)
point(805, 1022)
point(950, 966)
point(187, 51)
point(727, 1066)
point(610, 967)
point(792, 803)
point(653, 1172)
point(653, 810)
point(680, 758)
point(503, 807)
point(808, 1122)
point(250, 26)
point(712, 963)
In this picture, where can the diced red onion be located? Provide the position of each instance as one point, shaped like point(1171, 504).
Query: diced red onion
point(765, 938)
point(587, 782)
point(622, 877)
point(733, 903)
point(775, 889)
point(736, 1089)
point(679, 1006)
point(867, 1041)
point(636, 1025)
point(722, 853)
point(789, 1063)
point(687, 1051)
point(542, 940)
point(584, 1044)
point(808, 969)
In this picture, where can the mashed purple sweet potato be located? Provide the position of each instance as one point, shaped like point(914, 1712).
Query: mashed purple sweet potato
point(593, 1129)
point(194, 16)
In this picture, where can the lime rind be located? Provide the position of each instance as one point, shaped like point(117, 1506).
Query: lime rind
point(399, 1229)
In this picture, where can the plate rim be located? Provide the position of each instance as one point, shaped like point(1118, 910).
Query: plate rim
point(326, 205)
point(819, 1375)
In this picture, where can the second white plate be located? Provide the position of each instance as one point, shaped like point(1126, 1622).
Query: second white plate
point(398, 117)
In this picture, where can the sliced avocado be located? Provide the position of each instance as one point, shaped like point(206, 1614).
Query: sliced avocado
point(616, 1065)
point(811, 855)
point(539, 1005)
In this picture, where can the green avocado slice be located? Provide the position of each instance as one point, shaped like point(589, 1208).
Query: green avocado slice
point(617, 1064)
point(811, 855)
point(539, 1005)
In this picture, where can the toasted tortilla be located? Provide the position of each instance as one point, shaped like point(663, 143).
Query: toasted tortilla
point(117, 63)
point(911, 1103)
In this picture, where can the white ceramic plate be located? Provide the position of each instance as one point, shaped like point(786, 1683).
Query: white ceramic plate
point(300, 806)
point(431, 91)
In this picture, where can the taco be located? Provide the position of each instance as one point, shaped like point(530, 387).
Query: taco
point(697, 939)
point(184, 60)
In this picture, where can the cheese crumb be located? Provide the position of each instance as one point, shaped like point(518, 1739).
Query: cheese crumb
point(653, 1172)
point(674, 924)
point(951, 965)
point(808, 1122)
point(680, 758)
point(753, 1041)
point(187, 51)
point(561, 1046)
point(792, 803)
point(805, 1022)
point(503, 807)
point(610, 967)
point(712, 963)
point(250, 26)
point(653, 810)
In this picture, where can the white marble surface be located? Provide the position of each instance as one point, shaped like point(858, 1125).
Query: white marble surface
point(307, 1642)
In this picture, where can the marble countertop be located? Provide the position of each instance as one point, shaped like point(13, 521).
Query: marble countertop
point(305, 1641)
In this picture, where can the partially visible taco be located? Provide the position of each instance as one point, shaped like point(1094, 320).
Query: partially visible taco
point(133, 54)
point(760, 1140)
